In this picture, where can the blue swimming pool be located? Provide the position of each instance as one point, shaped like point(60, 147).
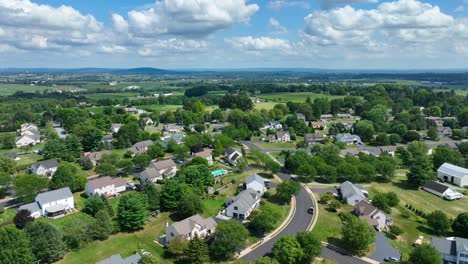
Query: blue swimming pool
point(218, 172)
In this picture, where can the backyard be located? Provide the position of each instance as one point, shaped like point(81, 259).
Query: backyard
point(277, 145)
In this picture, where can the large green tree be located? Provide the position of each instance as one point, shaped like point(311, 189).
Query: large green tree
point(420, 171)
point(28, 186)
point(357, 234)
point(287, 250)
point(230, 236)
point(16, 248)
point(197, 251)
point(438, 221)
point(46, 241)
point(286, 190)
point(425, 254)
point(311, 245)
point(264, 220)
point(102, 228)
point(132, 211)
point(460, 225)
point(189, 204)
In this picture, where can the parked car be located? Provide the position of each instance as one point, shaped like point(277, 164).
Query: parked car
point(310, 210)
point(391, 259)
point(131, 185)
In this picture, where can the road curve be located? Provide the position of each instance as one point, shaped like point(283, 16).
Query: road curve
point(299, 223)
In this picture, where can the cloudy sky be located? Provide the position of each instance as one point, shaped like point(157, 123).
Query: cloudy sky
point(333, 34)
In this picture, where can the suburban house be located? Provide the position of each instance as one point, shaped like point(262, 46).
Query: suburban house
point(134, 111)
point(148, 121)
point(243, 204)
point(453, 249)
point(276, 125)
point(319, 125)
point(301, 117)
point(141, 147)
point(351, 194)
point(326, 117)
point(172, 128)
point(117, 259)
point(150, 174)
point(256, 183)
point(349, 139)
point(29, 135)
point(206, 154)
point(283, 136)
point(445, 131)
point(453, 174)
point(178, 138)
point(232, 155)
point(167, 168)
point(345, 116)
point(372, 215)
point(107, 139)
point(52, 204)
point(441, 190)
point(106, 186)
point(115, 128)
point(94, 157)
point(45, 168)
point(314, 138)
point(191, 227)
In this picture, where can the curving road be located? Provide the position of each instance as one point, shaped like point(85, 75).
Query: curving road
point(300, 222)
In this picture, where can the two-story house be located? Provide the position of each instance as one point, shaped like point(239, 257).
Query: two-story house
point(191, 227)
point(106, 186)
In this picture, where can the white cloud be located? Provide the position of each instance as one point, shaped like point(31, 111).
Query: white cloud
point(459, 8)
point(326, 4)
point(279, 4)
point(186, 17)
point(172, 46)
point(276, 26)
point(250, 43)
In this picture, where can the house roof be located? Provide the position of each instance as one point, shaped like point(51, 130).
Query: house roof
point(204, 154)
point(345, 136)
point(106, 181)
point(163, 164)
point(313, 137)
point(281, 134)
point(245, 200)
point(348, 190)
point(34, 137)
point(438, 187)
point(31, 207)
point(230, 150)
point(142, 144)
point(48, 164)
point(117, 259)
point(95, 156)
point(55, 195)
point(254, 178)
point(445, 246)
point(462, 244)
point(186, 226)
point(453, 170)
point(149, 174)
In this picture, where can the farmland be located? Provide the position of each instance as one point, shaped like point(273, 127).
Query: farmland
point(295, 97)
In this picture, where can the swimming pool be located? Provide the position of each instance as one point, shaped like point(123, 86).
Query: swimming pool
point(218, 172)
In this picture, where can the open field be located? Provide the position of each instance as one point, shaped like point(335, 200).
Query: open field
point(9, 89)
point(157, 107)
point(265, 105)
point(279, 145)
point(112, 95)
point(295, 97)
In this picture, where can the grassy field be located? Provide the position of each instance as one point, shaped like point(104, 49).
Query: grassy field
point(161, 108)
point(295, 97)
point(328, 227)
point(212, 207)
point(7, 216)
point(279, 145)
point(265, 105)
point(9, 89)
point(112, 95)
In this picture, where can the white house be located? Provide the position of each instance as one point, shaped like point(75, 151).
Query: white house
point(191, 227)
point(206, 154)
point(256, 182)
point(27, 140)
point(452, 249)
point(372, 215)
point(167, 168)
point(441, 190)
point(52, 204)
point(106, 186)
point(232, 155)
point(349, 139)
point(350, 193)
point(283, 136)
point(148, 121)
point(276, 125)
point(453, 174)
point(45, 168)
point(243, 204)
point(172, 128)
point(115, 128)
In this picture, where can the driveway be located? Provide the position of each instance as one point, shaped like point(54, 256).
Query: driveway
point(300, 222)
point(383, 248)
point(340, 257)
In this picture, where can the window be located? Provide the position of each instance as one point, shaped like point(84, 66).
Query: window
point(463, 255)
point(172, 234)
point(236, 208)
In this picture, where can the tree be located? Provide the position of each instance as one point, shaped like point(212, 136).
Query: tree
point(181, 153)
point(438, 221)
point(5, 183)
point(230, 236)
point(106, 169)
point(65, 176)
point(131, 213)
point(93, 205)
point(155, 151)
point(141, 161)
point(460, 225)
point(286, 190)
point(28, 186)
point(154, 197)
point(197, 251)
point(22, 218)
point(230, 101)
point(425, 254)
point(420, 171)
point(442, 154)
point(264, 220)
point(334, 205)
point(310, 244)
point(189, 204)
point(16, 248)
point(178, 246)
point(380, 201)
point(433, 134)
point(357, 234)
point(102, 228)
point(365, 129)
point(392, 199)
point(47, 242)
point(90, 136)
point(287, 250)
point(7, 165)
point(266, 260)
point(196, 175)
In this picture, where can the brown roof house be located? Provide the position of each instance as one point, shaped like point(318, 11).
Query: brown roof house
point(106, 186)
point(94, 157)
point(191, 227)
point(206, 154)
point(314, 138)
point(374, 217)
point(141, 147)
point(167, 168)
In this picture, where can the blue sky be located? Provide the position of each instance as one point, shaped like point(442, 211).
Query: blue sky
point(335, 34)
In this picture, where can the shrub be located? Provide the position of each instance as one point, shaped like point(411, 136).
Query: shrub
point(396, 230)
point(2, 210)
point(266, 195)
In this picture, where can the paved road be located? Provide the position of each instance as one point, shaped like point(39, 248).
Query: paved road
point(300, 222)
point(383, 248)
point(339, 257)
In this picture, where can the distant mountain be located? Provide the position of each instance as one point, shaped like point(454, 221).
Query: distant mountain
point(145, 71)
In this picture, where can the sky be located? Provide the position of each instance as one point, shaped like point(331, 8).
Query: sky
point(224, 34)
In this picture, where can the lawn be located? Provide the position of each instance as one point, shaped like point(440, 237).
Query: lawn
point(265, 105)
point(328, 226)
point(239, 178)
point(295, 97)
point(125, 244)
point(212, 207)
point(112, 95)
point(7, 216)
point(276, 155)
point(278, 145)
point(158, 107)
point(28, 159)
point(9, 89)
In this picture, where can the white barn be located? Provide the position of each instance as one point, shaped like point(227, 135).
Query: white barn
point(453, 174)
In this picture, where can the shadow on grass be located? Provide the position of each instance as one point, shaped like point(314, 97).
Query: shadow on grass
point(265, 175)
point(404, 185)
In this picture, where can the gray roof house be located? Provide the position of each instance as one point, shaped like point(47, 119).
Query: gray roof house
point(349, 139)
point(372, 215)
point(350, 193)
point(453, 249)
point(52, 204)
point(45, 168)
point(232, 155)
point(150, 174)
point(313, 138)
point(255, 182)
point(117, 259)
point(191, 226)
point(142, 146)
point(243, 204)
point(167, 168)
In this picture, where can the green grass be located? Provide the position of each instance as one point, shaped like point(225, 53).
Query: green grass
point(161, 108)
point(212, 207)
point(328, 226)
point(9, 89)
point(265, 105)
point(277, 155)
point(125, 244)
point(67, 221)
point(278, 145)
point(122, 95)
point(295, 97)
point(7, 216)
point(28, 159)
